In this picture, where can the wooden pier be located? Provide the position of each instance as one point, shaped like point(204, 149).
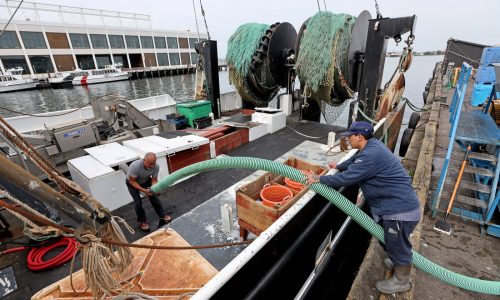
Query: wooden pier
point(149, 72)
point(466, 251)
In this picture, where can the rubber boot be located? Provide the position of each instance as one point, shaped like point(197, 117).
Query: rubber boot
point(388, 264)
point(399, 282)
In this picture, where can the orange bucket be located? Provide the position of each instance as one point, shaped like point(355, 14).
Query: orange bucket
point(272, 195)
point(294, 184)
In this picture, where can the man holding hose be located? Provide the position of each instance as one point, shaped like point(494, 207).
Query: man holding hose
point(388, 192)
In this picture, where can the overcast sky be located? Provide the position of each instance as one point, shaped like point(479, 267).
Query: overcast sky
point(437, 20)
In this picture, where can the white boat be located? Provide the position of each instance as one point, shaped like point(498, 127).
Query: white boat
point(108, 74)
point(62, 79)
point(12, 81)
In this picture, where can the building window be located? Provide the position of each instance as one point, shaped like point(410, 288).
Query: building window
point(162, 59)
point(102, 61)
point(132, 42)
point(120, 60)
point(183, 43)
point(85, 62)
point(57, 40)
point(116, 41)
point(192, 42)
point(147, 42)
point(174, 59)
point(160, 42)
point(64, 62)
point(99, 41)
point(33, 40)
point(194, 58)
point(14, 61)
point(41, 64)
point(9, 40)
point(79, 41)
point(172, 43)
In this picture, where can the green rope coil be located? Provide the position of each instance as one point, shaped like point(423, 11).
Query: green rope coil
point(241, 49)
point(422, 263)
point(242, 45)
point(324, 49)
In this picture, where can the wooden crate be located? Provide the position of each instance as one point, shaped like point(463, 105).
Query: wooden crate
point(253, 215)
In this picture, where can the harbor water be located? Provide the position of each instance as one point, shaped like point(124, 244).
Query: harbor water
point(181, 88)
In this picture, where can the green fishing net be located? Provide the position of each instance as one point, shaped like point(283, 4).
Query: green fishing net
point(323, 56)
point(241, 48)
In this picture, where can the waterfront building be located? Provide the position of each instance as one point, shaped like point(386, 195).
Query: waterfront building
point(89, 39)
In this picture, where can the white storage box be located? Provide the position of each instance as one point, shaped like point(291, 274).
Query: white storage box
point(257, 130)
point(103, 182)
point(274, 118)
point(178, 144)
point(112, 154)
point(142, 146)
point(183, 151)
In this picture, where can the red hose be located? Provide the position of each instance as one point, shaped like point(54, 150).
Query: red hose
point(12, 250)
point(35, 256)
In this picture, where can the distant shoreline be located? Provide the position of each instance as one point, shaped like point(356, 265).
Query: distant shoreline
point(426, 53)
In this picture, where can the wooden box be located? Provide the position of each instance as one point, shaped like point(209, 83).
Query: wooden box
point(253, 215)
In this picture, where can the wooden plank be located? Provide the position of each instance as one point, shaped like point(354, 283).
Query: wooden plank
point(483, 156)
point(471, 201)
point(475, 186)
point(479, 171)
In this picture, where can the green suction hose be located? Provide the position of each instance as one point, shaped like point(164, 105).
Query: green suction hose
point(452, 278)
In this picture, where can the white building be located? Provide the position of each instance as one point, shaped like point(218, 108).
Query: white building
point(88, 39)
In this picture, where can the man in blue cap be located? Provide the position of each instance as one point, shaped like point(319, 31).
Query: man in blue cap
point(387, 189)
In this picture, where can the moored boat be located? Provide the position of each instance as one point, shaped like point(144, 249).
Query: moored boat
point(84, 77)
point(12, 81)
point(108, 74)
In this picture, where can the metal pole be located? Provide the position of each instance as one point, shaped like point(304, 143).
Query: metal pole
point(20, 182)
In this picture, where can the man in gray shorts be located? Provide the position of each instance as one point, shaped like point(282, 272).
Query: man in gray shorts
point(141, 175)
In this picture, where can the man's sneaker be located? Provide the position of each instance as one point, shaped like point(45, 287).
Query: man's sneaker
point(144, 226)
point(165, 220)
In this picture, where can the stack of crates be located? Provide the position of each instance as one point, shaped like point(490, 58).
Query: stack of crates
point(485, 76)
point(193, 110)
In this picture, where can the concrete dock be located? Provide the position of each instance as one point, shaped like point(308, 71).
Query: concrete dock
point(467, 251)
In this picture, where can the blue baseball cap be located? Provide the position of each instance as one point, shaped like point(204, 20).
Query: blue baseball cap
point(359, 127)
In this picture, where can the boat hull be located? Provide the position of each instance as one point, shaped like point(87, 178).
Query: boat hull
point(88, 81)
point(18, 87)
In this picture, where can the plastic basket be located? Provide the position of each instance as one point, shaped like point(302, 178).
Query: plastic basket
point(194, 110)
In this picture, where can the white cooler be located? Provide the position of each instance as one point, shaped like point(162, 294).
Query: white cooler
point(142, 146)
point(112, 154)
point(103, 182)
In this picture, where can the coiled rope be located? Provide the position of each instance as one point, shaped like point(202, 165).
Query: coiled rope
point(103, 257)
point(422, 263)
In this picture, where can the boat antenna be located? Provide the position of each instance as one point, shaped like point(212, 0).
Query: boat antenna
point(319, 7)
point(324, 3)
point(204, 19)
point(379, 15)
point(11, 17)
point(196, 20)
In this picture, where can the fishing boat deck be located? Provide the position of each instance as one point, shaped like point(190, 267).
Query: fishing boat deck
point(186, 195)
